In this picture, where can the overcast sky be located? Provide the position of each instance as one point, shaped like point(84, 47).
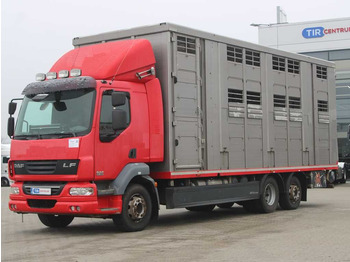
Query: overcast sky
point(35, 33)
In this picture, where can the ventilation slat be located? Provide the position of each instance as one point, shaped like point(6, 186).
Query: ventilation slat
point(253, 98)
point(294, 102)
point(234, 54)
point(252, 58)
point(278, 63)
point(321, 72)
point(235, 96)
point(293, 66)
point(186, 45)
point(322, 106)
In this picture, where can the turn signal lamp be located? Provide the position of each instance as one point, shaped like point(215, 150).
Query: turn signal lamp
point(63, 74)
point(51, 75)
point(40, 77)
point(75, 72)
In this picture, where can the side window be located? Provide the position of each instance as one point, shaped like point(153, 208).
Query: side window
point(107, 133)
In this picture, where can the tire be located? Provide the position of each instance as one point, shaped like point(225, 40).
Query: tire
point(137, 209)
point(207, 208)
point(226, 205)
point(55, 220)
point(293, 193)
point(268, 201)
point(5, 181)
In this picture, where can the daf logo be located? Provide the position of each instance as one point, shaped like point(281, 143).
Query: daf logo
point(19, 165)
point(69, 165)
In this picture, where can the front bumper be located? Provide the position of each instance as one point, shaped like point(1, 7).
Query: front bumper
point(62, 204)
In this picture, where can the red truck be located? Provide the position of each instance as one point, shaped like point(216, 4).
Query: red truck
point(109, 132)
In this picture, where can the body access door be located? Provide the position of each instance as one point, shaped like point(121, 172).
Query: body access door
point(187, 107)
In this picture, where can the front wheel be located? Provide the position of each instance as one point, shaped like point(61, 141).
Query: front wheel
point(137, 209)
point(55, 220)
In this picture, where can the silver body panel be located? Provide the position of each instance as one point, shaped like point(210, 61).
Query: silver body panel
point(205, 130)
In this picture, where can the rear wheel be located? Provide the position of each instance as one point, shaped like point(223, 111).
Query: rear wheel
point(269, 197)
point(55, 220)
point(137, 209)
point(5, 181)
point(291, 198)
point(207, 208)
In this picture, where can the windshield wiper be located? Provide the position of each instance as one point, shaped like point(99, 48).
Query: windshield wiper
point(61, 134)
point(28, 137)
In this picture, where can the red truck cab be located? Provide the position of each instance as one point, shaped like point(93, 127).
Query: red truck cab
point(85, 132)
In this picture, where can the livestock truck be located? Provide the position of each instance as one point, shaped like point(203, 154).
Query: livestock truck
point(167, 115)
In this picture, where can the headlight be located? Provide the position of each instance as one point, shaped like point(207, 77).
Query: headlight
point(81, 191)
point(14, 190)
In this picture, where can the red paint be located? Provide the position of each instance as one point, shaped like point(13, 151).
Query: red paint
point(119, 60)
point(89, 205)
point(237, 172)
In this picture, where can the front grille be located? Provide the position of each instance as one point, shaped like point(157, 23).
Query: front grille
point(46, 167)
point(41, 203)
point(56, 187)
point(41, 167)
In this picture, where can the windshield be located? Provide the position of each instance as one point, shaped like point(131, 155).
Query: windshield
point(56, 115)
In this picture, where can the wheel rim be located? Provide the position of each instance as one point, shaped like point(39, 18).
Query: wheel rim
point(137, 208)
point(270, 194)
point(294, 193)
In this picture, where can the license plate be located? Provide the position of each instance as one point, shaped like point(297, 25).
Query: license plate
point(40, 191)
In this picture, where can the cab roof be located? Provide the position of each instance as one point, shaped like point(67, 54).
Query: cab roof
point(118, 60)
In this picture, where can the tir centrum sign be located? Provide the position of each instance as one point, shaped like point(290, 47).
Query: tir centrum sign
point(315, 32)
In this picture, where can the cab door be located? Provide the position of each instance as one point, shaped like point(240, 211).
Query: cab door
point(112, 147)
point(115, 149)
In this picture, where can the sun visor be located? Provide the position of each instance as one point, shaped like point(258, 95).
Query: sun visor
point(59, 85)
point(109, 60)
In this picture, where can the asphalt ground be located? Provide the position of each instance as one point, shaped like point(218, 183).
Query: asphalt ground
point(318, 231)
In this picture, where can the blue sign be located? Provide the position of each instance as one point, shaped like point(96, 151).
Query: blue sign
point(313, 32)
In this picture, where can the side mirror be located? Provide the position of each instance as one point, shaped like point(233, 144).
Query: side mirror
point(118, 99)
point(10, 126)
point(119, 121)
point(12, 108)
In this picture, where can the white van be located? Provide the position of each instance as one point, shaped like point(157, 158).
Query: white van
point(5, 156)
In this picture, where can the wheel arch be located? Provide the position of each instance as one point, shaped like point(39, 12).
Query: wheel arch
point(137, 173)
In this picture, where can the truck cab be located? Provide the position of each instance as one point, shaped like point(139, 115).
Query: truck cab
point(82, 128)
